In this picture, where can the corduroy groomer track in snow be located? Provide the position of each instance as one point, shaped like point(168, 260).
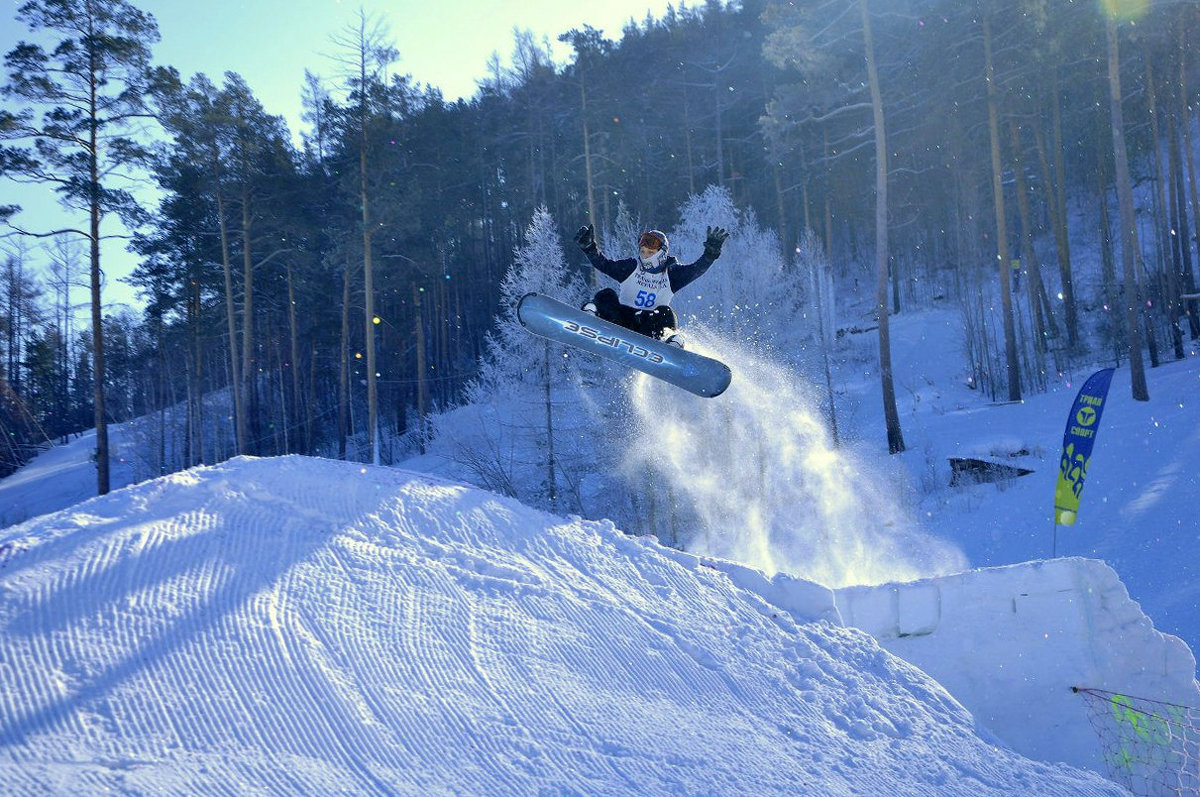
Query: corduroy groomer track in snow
point(305, 626)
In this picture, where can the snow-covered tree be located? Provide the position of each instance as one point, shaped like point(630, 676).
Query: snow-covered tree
point(514, 434)
point(622, 237)
point(750, 293)
point(513, 357)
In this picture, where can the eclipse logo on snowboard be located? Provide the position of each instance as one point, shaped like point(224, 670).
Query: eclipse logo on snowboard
point(614, 341)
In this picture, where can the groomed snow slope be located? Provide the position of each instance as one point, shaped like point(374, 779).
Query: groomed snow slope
point(305, 626)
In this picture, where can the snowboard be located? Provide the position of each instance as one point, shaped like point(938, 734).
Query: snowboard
point(563, 323)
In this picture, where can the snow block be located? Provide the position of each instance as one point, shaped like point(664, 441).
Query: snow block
point(1010, 643)
point(804, 601)
point(918, 610)
point(891, 611)
point(870, 609)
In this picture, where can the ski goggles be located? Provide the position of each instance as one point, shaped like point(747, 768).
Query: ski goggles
point(650, 241)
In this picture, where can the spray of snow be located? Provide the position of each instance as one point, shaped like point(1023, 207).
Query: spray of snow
point(756, 470)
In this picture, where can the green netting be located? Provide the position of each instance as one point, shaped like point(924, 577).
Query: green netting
point(1150, 747)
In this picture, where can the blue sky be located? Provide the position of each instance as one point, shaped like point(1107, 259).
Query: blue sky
point(446, 43)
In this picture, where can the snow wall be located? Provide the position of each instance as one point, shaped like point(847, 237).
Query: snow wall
point(1010, 643)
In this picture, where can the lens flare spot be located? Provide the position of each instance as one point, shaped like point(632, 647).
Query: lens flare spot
point(1125, 10)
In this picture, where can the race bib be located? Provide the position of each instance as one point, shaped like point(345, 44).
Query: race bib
point(646, 291)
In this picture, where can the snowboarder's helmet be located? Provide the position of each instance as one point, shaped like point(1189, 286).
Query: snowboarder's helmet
point(654, 239)
point(656, 242)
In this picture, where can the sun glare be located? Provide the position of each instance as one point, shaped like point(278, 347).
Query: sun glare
point(1125, 10)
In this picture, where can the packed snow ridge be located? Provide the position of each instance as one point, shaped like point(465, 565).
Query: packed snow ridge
point(305, 626)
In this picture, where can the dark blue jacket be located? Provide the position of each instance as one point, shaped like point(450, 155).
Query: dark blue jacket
point(679, 274)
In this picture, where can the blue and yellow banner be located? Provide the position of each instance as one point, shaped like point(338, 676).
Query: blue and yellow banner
point(1078, 440)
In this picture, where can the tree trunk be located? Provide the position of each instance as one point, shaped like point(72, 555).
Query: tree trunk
point(891, 416)
point(550, 463)
point(1012, 363)
point(196, 416)
point(1189, 278)
point(1043, 318)
point(1128, 237)
point(781, 212)
point(422, 369)
point(98, 367)
point(294, 341)
point(369, 295)
point(310, 406)
point(1185, 278)
point(719, 133)
point(369, 305)
point(587, 170)
point(248, 366)
point(239, 407)
point(820, 285)
point(1108, 263)
point(13, 332)
point(1175, 213)
point(1055, 200)
point(344, 360)
point(1062, 240)
point(1164, 273)
point(828, 194)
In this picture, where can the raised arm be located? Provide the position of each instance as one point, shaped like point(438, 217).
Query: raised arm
point(682, 275)
point(617, 269)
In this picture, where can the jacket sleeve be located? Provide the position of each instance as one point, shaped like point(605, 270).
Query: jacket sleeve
point(617, 269)
point(682, 275)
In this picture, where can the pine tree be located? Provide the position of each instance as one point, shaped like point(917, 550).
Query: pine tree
point(519, 369)
point(749, 294)
point(366, 55)
point(44, 369)
point(539, 266)
point(1128, 223)
point(91, 82)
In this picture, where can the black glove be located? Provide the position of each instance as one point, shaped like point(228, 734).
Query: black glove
point(712, 243)
point(586, 238)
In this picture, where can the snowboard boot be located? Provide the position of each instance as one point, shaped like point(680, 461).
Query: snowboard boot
point(673, 339)
point(589, 307)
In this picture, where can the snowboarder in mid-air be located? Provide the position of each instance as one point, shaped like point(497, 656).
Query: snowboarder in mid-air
point(634, 324)
point(642, 301)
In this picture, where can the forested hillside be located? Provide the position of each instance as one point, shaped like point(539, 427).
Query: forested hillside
point(304, 288)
